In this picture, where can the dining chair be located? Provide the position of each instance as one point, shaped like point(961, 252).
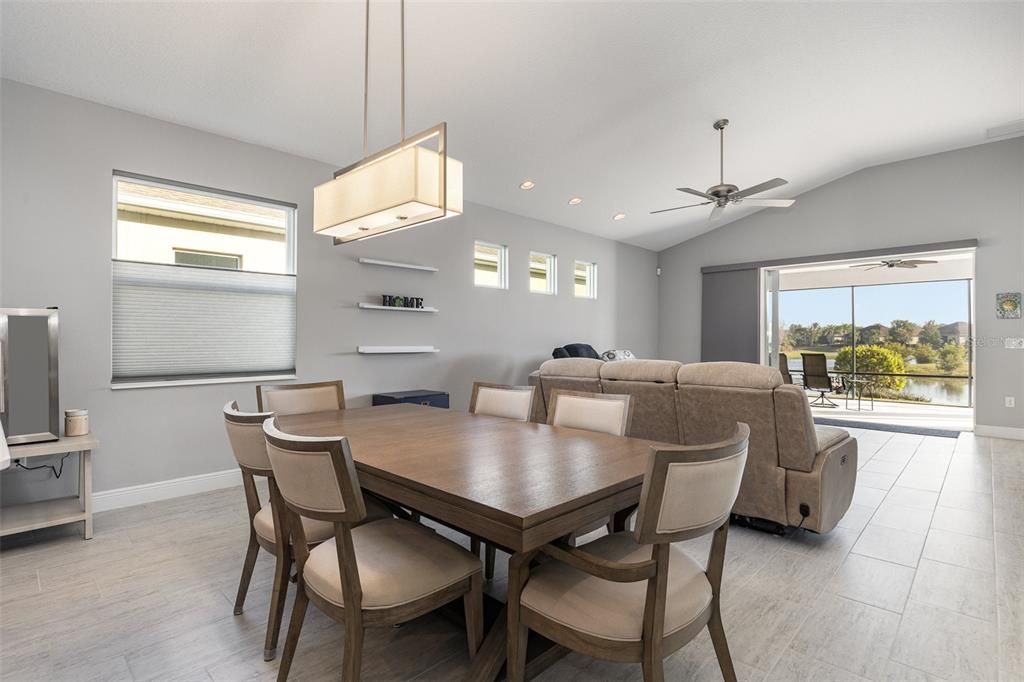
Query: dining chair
point(816, 378)
point(379, 573)
point(498, 400)
point(245, 433)
point(636, 596)
point(285, 399)
point(603, 412)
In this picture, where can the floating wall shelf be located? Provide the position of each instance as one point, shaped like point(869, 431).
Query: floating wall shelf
point(394, 264)
point(397, 349)
point(374, 306)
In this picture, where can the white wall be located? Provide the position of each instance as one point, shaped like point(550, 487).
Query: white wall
point(976, 192)
point(58, 154)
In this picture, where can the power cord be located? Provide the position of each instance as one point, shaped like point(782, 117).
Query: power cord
point(56, 471)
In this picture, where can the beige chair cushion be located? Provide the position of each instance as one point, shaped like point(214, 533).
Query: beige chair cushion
point(616, 610)
point(399, 562)
point(504, 402)
point(590, 414)
point(316, 530)
point(588, 368)
point(663, 371)
point(737, 374)
point(829, 436)
point(301, 400)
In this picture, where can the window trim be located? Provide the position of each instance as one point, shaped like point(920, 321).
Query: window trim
point(591, 268)
point(552, 273)
point(200, 252)
point(502, 264)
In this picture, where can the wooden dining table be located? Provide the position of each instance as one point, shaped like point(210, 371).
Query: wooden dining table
point(518, 485)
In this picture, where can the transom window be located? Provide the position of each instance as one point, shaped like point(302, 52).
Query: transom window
point(543, 273)
point(490, 265)
point(585, 279)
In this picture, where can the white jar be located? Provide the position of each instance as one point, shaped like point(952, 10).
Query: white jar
point(76, 422)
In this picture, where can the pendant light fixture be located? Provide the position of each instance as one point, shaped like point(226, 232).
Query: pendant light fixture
point(404, 185)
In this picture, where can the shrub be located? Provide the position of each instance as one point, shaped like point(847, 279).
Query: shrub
point(871, 359)
point(925, 355)
point(903, 350)
point(952, 357)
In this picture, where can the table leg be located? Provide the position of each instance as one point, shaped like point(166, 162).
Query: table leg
point(85, 490)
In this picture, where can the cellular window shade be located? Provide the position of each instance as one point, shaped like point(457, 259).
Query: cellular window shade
point(179, 322)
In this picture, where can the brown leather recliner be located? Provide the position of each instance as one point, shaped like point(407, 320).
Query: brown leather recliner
point(791, 462)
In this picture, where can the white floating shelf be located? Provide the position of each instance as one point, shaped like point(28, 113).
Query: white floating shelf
point(397, 349)
point(374, 306)
point(395, 264)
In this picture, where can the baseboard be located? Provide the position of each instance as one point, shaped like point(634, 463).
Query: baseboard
point(1011, 432)
point(118, 498)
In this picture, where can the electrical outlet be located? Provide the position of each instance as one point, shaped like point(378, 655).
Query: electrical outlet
point(1014, 342)
point(1010, 401)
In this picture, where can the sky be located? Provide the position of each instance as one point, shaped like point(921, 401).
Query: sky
point(943, 302)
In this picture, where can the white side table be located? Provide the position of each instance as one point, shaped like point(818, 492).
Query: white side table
point(58, 511)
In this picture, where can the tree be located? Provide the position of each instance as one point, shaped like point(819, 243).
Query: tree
point(930, 335)
point(870, 335)
point(814, 332)
point(905, 351)
point(901, 331)
point(799, 336)
point(872, 359)
point(951, 358)
point(924, 354)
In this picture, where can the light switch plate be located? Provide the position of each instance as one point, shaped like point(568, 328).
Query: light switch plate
point(1014, 342)
point(1009, 401)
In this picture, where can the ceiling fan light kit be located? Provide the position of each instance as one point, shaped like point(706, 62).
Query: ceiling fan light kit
point(723, 194)
point(405, 185)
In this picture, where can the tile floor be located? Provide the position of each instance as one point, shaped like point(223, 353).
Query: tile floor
point(923, 580)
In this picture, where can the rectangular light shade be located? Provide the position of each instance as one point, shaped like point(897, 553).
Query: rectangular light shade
point(396, 191)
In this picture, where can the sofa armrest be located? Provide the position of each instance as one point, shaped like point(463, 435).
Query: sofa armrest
point(794, 429)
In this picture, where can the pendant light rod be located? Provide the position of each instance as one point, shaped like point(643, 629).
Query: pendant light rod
point(721, 155)
point(366, 84)
point(403, 66)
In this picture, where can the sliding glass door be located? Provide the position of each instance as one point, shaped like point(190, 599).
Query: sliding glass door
point(907, 341)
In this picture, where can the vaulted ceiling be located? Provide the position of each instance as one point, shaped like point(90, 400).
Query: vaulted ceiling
point(612, 102)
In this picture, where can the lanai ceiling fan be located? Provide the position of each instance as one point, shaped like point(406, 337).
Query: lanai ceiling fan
point(723, 194)
point(894, 263)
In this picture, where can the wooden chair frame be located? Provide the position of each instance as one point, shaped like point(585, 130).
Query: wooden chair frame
point(475, 542)
point(627, 414)
point(354, 618)
point(654, 645)
point(262, 389)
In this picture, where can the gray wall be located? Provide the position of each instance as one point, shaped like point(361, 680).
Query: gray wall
point(976, 192)
point(58, 153)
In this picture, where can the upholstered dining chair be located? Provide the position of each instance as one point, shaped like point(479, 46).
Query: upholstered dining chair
point(635, 596)
point(379, 573)
point(602, 412)
point(285, 399)
point(498, 400)
point(245, 433)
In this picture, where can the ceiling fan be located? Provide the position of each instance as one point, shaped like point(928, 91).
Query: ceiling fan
point(722, 194)
point(894, 263)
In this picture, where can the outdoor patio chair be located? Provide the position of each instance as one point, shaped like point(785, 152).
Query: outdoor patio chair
point(816, 378)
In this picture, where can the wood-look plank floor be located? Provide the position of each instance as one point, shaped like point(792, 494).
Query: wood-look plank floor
point(923, 580)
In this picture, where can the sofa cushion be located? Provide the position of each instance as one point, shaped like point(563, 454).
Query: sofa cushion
point(738, 374)
point(572, 367)
point(661, 371)
point(829, 436)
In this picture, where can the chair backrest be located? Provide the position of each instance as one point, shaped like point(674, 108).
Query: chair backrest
point(603, 412)
point(316, 476)
point(285, 399)
point(784, 368)
point(245, 433)
point(816, 370)
point(689, 490)
point(498, 400)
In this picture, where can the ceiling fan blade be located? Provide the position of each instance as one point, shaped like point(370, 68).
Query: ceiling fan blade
point(770, 203)
point(910, 266)
point(665, 210)
point(916, 261)
point(716, 212)
point(865, 265)
point(695, 192)
point(756, 189)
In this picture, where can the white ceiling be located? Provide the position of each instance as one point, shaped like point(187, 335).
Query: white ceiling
point(609, 101)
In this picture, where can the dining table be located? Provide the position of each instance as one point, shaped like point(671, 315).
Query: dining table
point(517, 485)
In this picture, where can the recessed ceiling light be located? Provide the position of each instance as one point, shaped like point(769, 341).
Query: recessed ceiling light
point(575, 201)
point(619, 216)
point(526, 185)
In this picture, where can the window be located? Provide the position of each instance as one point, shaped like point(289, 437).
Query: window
point(585, 279)
point(203, 284)
point(490, 265)
point(543, 273)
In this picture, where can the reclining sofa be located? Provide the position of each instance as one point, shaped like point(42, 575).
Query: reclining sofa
point(797, 474)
